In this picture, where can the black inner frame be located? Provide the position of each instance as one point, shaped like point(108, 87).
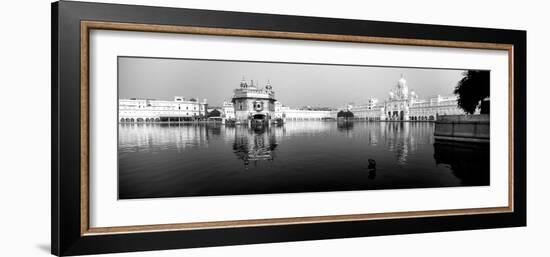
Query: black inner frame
point(65, 166)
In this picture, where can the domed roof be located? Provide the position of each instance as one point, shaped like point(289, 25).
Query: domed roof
point(402, 89)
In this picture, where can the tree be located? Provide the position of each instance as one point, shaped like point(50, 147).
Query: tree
point(473, 90)
point(344, 114)
point(214, 113)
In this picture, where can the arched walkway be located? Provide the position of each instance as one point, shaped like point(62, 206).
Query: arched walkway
point(259, 117)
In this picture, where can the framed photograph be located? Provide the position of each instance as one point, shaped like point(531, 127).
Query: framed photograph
point(178, 128)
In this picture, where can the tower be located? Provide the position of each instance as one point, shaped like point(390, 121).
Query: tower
point(402, 88)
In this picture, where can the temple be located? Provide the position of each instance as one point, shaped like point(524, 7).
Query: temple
point(403, 104)
point(251, 102)
point(254, 103)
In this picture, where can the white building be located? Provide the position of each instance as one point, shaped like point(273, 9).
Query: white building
point(405, 105)
point(286, 113)
point(228, 112)
point(295, 114)
point(151, 110)
point(252, 102)
point(372, 110)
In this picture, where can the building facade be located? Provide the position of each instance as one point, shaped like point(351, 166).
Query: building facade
point(253, 102)
point(286, 113)
point(294, 114)
point(152, 110)
point(405, 105)
point(228, 111)
point(372, 110)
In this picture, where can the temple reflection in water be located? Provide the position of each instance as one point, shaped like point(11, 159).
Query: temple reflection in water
point(161, 160)
point(255, 144)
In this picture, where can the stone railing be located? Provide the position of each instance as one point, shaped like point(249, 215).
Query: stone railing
point(463, 128)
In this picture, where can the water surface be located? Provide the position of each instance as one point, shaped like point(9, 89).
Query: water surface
point(160, 160)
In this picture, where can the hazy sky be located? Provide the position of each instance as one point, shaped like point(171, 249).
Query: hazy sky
point(295, 85)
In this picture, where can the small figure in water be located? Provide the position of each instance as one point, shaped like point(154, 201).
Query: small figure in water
point(372, 169)
point(372, 164)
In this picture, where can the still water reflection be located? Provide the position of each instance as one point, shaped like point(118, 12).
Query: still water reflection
point(159, 160)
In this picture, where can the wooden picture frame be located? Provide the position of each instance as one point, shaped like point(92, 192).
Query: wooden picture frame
point(71, 25)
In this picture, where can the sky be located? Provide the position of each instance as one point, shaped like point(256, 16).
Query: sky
point(295, 85)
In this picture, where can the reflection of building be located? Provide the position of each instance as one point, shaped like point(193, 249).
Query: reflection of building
point(151, 110)
point(254, 145)
point(133, 137)
point(405, 105)
point(403, 138)
point(469, 162)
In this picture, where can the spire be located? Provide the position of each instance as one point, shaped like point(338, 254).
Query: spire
point(243, 82)
point(402, 82)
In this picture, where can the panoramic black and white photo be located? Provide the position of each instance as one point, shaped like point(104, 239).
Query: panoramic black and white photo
point(191, 127)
